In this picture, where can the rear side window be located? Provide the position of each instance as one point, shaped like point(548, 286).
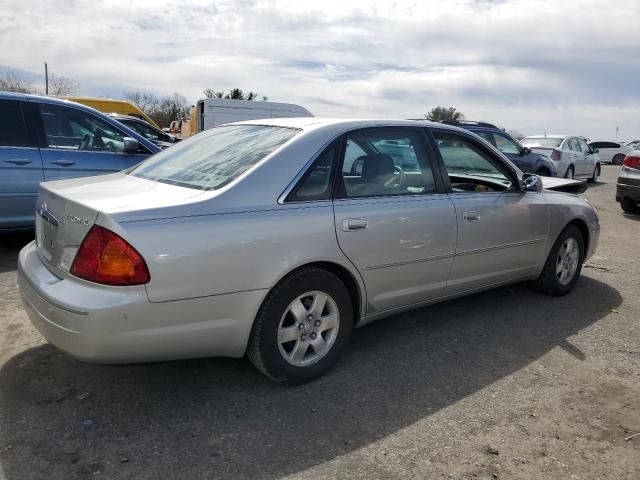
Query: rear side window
point(215, 157)
point(13, 132)
point(317, 184)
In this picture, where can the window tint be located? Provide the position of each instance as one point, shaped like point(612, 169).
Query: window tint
point(13, 132)
point(391, 163)
point(505, 144)
point(214, 157)
point(143, 129)
point(574, 145)
point(583, 145)
point(352, 152)
point(69, 129)
point(488, 136)
point(469, 167)
point(604, 145)
point(316, 184)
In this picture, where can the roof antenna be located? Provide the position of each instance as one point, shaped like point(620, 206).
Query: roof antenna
point(545, 134)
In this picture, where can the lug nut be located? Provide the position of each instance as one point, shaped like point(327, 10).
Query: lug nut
point(301, 326)
point(310, 317)
point(317, 323)
point(313, 335)
point(303, 337)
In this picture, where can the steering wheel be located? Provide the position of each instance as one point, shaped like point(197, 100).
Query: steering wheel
point(86, 142)
point(399, 181)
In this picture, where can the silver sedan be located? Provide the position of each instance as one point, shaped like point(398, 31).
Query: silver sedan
point(274, 238)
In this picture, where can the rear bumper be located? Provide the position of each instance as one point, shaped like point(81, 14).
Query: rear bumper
point(104, 324)
point(627, 191)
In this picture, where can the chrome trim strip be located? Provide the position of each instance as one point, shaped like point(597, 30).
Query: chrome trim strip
point(407, 262)
point(499, 247)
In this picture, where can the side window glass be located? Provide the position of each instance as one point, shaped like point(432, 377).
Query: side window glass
point(469, 167)
point(573, 145)
point(583, 146)
point(13, 132)
point(506, 145)
point(316, 184)
point(142, 129)
point(488, 136)
point(390, 163)
point(70, 129)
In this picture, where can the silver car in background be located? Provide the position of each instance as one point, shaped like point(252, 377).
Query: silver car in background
point(573, 157)
point(275, 237)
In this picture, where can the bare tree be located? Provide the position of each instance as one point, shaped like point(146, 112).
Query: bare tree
point(148, 102)
point(63, 86)
point(211, 93)
point(233, 94)
point(15, 82)
point(439, 114)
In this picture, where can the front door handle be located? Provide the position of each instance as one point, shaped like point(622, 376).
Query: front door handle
point(471, 216)
point(18, 161)
point(351, 224)
point(64, 163)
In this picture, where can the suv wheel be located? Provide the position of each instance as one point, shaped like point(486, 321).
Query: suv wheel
point(302, 326)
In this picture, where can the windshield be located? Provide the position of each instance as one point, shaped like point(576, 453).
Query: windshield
point(544, 142)
point(214, 158)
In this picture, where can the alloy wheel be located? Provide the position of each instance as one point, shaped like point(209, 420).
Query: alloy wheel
point(567, 261)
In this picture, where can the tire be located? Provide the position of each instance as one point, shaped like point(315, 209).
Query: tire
point(618, 159)
point(543, 172)
point(629, 206)
point(549, 281)
point(594, 176)
point(280, 360)
point(570, 173)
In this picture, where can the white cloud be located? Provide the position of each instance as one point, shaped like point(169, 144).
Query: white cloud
point(530, 65)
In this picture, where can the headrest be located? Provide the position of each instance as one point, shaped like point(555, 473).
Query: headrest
point(377, 165)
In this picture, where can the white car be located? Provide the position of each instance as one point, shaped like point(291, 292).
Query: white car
point(572, 156)
point(612, 152)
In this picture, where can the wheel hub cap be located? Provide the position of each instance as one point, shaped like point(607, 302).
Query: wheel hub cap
point(567, 261)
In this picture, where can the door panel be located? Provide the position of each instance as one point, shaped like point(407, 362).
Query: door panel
point(501, 237)
point(60, 164)
point(402, 246)
point(20, 175)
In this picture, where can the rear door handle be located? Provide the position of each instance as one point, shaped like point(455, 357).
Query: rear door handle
point(64, 163)
point(351, 224)
point(18, 161)
point(471, 216)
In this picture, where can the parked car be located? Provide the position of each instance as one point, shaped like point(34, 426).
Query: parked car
point(573, 157)
point(148, 131)
point(611, 152)
point(275, 237)
point(523, 157)
point(46, 139)
point(109, 105)
point(628, 184)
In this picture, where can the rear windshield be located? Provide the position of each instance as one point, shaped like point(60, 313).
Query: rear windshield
point(547, 142)
point(215, 157)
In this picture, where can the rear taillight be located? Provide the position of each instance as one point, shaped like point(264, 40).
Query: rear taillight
point(555, 155)
point(631, 162)
point(107, 258)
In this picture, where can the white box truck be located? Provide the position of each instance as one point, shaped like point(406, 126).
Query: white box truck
point(216, 111)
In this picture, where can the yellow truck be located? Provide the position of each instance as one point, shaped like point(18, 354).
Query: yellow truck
point(108, 105)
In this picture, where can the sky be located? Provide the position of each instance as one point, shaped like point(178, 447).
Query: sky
point(535, 66)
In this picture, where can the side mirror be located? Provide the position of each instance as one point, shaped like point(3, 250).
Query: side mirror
point(526, 150)
point(532, 183)
point(594, 150)
point(131, 145)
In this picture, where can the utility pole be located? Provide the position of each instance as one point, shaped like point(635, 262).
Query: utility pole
point(46, 79)
point(617, 130)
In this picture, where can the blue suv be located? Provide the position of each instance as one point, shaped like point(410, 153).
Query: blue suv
point(523, 157)
point(43, 139)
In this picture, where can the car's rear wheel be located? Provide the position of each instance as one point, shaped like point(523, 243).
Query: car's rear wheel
point(594, 176)
point(569, 173)
point(618, 159)
point(564, 263)
point(302, 326)
point(629, 206)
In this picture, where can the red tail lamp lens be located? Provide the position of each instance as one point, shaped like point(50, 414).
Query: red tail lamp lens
point(107, 258)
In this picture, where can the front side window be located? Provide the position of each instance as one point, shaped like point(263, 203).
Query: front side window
point(470, 168)
point(506, 145)
point(573, 144)
point(145, 130)
point(391, 162)
point(583, 146)
point(69, 129)
point(13, 132)
point(215, 157)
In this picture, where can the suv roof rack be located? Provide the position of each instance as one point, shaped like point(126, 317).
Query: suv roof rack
point(468, 123)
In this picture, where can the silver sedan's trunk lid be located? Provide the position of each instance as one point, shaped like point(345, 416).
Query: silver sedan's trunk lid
point(67, 209)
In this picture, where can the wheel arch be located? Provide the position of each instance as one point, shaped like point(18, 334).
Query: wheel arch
point(584, 229)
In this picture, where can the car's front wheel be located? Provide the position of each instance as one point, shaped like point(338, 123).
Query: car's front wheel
point(618, 159)
point(564, 263)
point(595, 174)
point(569, 173)
point(302, 326)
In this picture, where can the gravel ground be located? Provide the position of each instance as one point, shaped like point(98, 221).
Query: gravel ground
point(503, 384)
